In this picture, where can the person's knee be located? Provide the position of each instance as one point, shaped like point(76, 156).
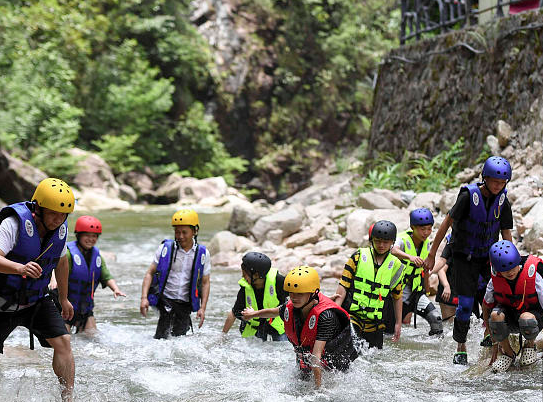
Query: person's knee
point(528, 327)
point(465, 305)
point(434, 319)
point(499, 330)
point(497, 315)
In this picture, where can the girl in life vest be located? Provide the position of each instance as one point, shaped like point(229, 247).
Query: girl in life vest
point(513, 303)
point(317, 327)
point(87, 271)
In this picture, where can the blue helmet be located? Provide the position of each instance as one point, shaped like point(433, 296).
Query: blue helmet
point(504, 256)
point(421, 217)
point(497, 167)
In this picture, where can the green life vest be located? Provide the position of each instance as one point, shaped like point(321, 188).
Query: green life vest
point(371, 288)
point(270, 301)
point(412, 274)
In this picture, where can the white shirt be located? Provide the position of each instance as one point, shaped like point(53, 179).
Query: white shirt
point(178, 283)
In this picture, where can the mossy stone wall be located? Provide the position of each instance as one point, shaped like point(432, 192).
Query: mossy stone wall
point(425, 100)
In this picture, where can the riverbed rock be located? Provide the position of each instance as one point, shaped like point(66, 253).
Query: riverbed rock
point(427, 199)
point(94, 174)
point(95, 199)
point(374, 200)
point(289, 220)
point(504, 132)
point(222, 241)
point(18, 179)
point(305, 236)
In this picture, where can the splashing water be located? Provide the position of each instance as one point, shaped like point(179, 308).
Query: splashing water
point(124, 363)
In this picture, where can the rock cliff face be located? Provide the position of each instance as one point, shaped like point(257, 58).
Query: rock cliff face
point(471, 80)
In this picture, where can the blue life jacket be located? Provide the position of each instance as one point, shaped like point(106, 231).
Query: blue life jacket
point(474, 236)
point(14, 288)
point(83, 279)
point(163, 271)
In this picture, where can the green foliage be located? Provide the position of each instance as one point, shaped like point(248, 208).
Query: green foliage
point(118, 151)
point(415, 172)
point(195, 146)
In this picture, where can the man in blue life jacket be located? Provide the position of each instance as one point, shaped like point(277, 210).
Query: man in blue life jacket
point(177, 282)
point(317, 327)
point(87, 270)
point(32, 245)
point(260, 287)
point(481, 212)
point(513, 303)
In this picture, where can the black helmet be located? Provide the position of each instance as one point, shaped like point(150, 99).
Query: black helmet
point(256, 263)
point(383, 230)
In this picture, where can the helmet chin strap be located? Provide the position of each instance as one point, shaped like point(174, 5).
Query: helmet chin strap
point(314, 296)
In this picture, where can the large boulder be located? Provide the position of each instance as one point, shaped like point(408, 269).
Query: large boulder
point(18, 179)
point(289, 220)
point(243, 218)
point(374, 200)
point(143, 184)
point(94, 173)
point(425, 200)
point(357, 227)
point(223, 241)
point(96, 199)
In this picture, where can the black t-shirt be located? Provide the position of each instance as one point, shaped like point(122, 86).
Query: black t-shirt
point(328, 327)
point(460, 210)
point(240, 304)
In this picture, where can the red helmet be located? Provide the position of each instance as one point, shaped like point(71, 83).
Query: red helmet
point(88, 224)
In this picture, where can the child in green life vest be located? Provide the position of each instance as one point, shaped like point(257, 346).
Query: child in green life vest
point(260, 288)
point(369, 276)
point(412, 247)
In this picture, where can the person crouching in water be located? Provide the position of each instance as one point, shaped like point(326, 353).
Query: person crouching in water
point(413, 246)
point(514, 302)
point(317, 327)
point(262, 286)
point(87, 270)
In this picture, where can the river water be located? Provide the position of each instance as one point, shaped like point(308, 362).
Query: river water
point(124, 363)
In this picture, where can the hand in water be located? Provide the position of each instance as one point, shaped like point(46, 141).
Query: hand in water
point(117, 293)
point(397, 331)
point(201, 315)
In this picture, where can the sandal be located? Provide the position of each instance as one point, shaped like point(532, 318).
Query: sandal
point(528, 356)
point(502, 363)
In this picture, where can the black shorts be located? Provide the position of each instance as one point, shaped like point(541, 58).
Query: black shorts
point(174, 318)
point(43, 317)
point(512, 316)
point(466, 274)
point(79, 320)
point(374, 338)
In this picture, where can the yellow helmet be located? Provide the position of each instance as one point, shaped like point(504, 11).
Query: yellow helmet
point(302, 279)
point(54, 194)
point(185, 217)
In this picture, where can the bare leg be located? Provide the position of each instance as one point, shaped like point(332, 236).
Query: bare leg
point(90, 326)
point(63, 364)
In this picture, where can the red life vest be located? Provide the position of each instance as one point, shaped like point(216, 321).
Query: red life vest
point(524, 295)
point(309, 331)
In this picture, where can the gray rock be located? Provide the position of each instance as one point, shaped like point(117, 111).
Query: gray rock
point(18, 179)
point(504, 132)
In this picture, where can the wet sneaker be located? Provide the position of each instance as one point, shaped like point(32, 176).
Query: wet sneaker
point(486, 342)
point(528, 356)
point(502, 364)
point(460, 358)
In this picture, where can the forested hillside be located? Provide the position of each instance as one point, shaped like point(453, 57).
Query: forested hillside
point(136, 81)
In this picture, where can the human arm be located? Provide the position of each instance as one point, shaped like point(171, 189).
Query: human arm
point(397, 304)
point(114, 288)
point(316, 356)
point(201, 314)
point(340, 295)
point(31, 269)
point(441, 232)
point(230, 318)
point(249, 313)
point(506, 234)
point(442, 275)
point(147, 279)
point(402, 255)
point(61, 274)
